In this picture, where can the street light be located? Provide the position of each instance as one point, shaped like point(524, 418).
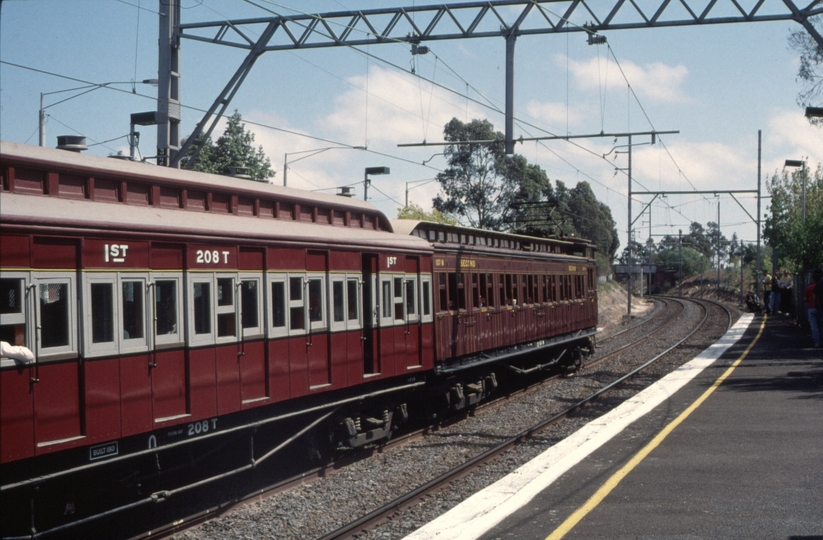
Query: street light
point(814, 112)
point(799, 163)
point(87, 88)
point(313, 153)
point(366, 181)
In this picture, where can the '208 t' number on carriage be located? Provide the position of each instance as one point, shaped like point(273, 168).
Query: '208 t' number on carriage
point(203, 426)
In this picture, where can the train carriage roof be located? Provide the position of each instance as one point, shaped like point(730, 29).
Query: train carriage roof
point(66, 215)
point(56, 213)
point(446, 236)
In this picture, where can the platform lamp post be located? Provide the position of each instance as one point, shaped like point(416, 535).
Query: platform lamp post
point(802, 165)
point(419, 183)
point(814, 112)
point(311, 153)
point(366, 181)
point(85, 90)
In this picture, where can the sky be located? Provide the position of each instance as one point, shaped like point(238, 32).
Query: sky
point(718, 86)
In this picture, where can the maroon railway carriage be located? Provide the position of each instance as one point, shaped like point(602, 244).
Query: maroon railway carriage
point(169, 314)
point(498, 295)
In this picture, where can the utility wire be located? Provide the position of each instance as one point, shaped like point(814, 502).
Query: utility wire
point(197, 109)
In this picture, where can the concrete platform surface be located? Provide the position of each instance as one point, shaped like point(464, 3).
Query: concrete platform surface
point(729, 446)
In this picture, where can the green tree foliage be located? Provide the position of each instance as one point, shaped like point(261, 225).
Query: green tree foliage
point(698, 239)
point(414, 211)
point(491, 190)
point(692, 260)
point(235, 148)
point(475, 185)
point(592, 219)
point(810, 70)
point(799, 243)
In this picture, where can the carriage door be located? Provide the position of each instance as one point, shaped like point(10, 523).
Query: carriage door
point(411, 298)
point(53, 300)
point(252, 353)
point(168, 356)
point(317, 341)
point(370, 364)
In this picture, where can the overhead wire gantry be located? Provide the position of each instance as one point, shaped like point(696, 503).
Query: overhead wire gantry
point(508, 19)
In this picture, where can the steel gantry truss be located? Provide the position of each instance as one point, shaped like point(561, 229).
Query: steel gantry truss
point(508, 19)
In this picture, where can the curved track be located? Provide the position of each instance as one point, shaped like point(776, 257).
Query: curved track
point(358, 527)
point(657, 323)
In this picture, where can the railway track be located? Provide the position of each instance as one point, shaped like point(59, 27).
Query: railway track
point(617, 347)
point(364, 524)
point(289, 521)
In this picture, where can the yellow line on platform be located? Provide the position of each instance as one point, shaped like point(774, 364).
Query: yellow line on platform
point(612, 482)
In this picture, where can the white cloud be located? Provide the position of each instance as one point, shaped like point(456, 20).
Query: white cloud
point(553, 113)
point(789, 136)
point(399, 108)
point(656, 81)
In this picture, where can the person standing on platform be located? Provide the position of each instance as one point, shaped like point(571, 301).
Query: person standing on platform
point(786, 285)
point(767, 292)
point(815, 313)
point(776, 293)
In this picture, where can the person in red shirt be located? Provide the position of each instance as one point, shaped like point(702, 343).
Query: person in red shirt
point(815, 310)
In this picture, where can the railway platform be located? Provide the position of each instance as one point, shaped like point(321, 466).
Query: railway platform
point(729, 446)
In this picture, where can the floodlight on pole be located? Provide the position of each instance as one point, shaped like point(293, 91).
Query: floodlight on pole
point(802, 164)
point(375, 171)
point(311, 153)
point(814, 112)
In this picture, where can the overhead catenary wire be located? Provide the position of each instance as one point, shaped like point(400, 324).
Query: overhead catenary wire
point(197, 109)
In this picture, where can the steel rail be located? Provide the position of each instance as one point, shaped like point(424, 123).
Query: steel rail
point(369, 520)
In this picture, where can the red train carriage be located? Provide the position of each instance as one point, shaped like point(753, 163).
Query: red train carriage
point(499, 295)
point(153, 315)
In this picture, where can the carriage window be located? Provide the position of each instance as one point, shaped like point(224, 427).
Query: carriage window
point(316, 300)
point(452, 291)
point(398, 299)
point(250, 304)
point(278, 304)
point(12, 318)
point(102, 312)
point(352, 298)
point(55, 319)
point(535, 281)
point(489, 291)
point(484, 288)
point(511, 289)
point(11, 296)
point(133, 310)
point(226, 316)
point(387, 299)
point(411, 298)
point(443, 297)
point(201, 310)
point(338, 301)
point(476, 292)
point(295, 288)
point(297, 318)
point(530, 298)
point(165, 307)
point(426, 302)
point(524, 291)
point(580, 281)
